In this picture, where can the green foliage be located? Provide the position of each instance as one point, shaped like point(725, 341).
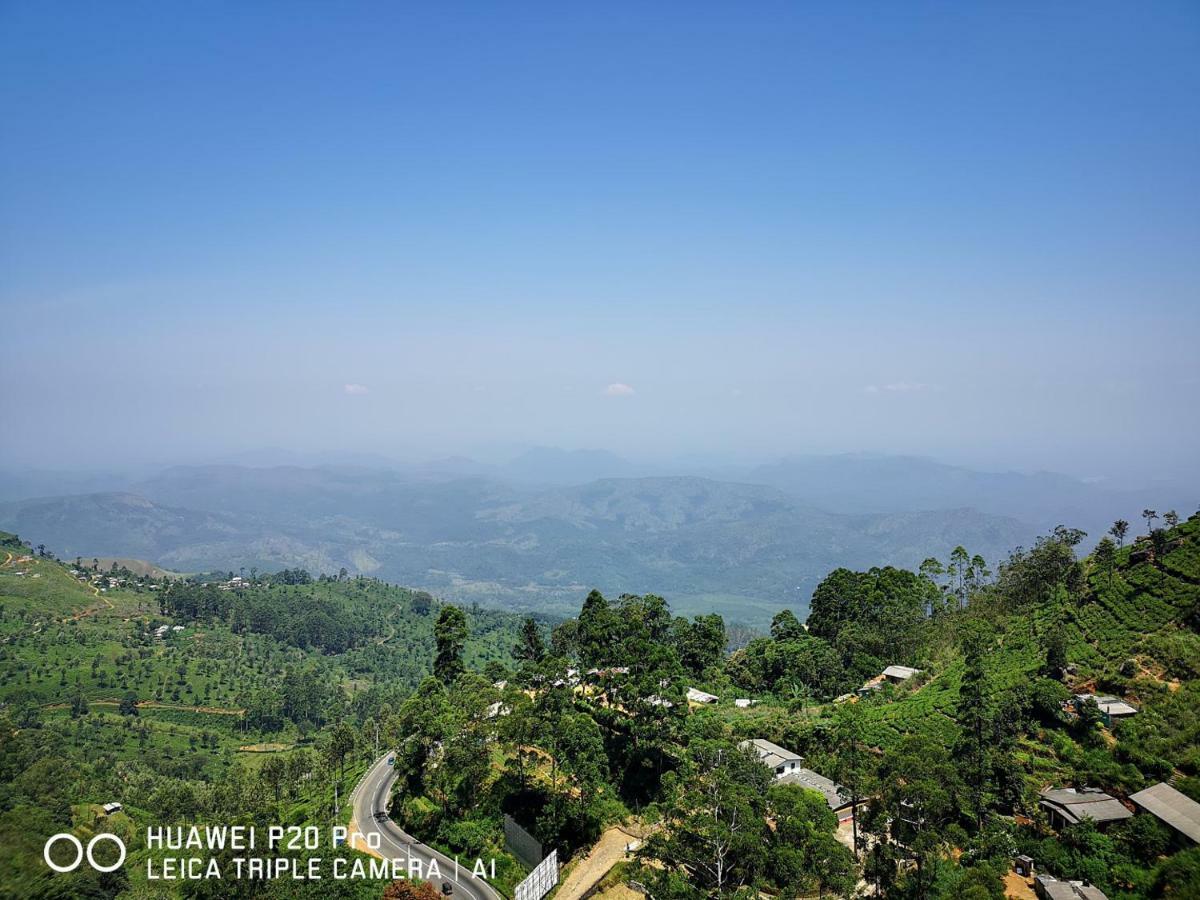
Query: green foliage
point(450, 632)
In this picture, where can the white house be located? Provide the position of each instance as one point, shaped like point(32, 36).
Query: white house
point(695, 695)
point(778, 759)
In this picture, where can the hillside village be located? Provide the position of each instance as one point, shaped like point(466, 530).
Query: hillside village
point(1028, 734)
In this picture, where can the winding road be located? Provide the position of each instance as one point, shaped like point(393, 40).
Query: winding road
point(370, 800)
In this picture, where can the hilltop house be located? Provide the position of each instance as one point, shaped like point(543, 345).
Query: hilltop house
point(1069, 806)
point(1177, 811)
point(696, 695)
point(779, 760)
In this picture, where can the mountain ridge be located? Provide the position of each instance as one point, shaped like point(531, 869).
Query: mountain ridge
point(741, 549)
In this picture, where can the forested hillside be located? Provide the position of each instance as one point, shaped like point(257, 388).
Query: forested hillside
point(627, 714)
point(897, 744)
point(204, 700)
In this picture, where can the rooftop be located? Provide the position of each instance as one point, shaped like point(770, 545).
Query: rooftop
point(1053, 889)
point(1173, 808)
point(835, 795)
point(1085, 803)
point(771, 754)
point(1111, 706)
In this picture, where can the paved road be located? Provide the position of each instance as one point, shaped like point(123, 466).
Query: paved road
point(371, 798)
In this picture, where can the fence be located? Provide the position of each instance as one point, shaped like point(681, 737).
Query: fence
point(521, 844)
point(540, 881)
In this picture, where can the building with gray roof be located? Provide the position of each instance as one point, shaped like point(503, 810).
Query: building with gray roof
point(1068, 806)
point(1176, 810)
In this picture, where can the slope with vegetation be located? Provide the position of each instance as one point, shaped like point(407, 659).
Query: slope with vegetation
point(593, 727)
point(191, 701)
point(578, 727)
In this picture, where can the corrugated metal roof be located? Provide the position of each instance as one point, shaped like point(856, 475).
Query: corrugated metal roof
point(1076, 805)
point(1178, 810)
point(1111, 706)
point(835, 795)
point(771, 754)
point(1069, 890)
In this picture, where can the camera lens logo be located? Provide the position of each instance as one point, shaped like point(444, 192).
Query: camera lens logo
point(80, 853)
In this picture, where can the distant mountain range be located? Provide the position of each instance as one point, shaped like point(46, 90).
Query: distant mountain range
point(530, 536)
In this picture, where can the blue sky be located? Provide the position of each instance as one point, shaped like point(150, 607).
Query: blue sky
point(964, 230)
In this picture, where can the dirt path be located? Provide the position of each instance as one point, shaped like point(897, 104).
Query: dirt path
point(1017, 888)
point(605, 853)
point(91, 610)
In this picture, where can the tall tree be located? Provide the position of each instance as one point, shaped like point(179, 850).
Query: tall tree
point(1105, 556)
point(530, 647)
point(786, 627)
point(852, 760)
point(1159, 541)
point(918, 783)
point(450, 632)
point(960, 562)
point(974, 715)
point(717, 822)
point(805, 854)
point(1119, 529)
point(342, 741)
point(701, 642)
point(1149, 515)
point(1171, 518)
point(1056, 653)
point(596, 632)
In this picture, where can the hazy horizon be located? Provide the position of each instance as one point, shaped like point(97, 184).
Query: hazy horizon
point(726, 236)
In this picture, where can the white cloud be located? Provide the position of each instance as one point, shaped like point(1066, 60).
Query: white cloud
point(617, 389)
point(355, 390)
point(900, 387)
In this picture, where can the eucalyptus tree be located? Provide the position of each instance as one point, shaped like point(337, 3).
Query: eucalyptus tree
point(1119, 529)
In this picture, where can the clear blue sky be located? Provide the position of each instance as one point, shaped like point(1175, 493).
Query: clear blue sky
point(968, 230)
